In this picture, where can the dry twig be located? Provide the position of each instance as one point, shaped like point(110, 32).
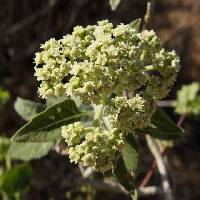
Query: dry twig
point(154, 148)
point(111, 185)
point(154, 164)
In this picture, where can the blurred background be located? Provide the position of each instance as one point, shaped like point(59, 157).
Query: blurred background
point(24, 25)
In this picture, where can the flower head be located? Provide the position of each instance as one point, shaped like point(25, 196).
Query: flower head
point(127, 115)
point(92, 146)
point(188, 100)
point(125, 71)
point(100, 60)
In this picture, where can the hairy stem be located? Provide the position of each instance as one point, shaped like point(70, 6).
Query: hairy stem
point(98, 113)
point(8, 162)
point(149, 14)
point(165, 103)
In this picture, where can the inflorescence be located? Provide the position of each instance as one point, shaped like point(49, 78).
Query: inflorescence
point(118, 67)
point(188, 100)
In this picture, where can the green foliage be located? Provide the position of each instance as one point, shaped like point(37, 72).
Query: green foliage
point(109, 69)
point(15, 179)
point(130, 155)
point(4, 97)
point(29, 150)
point(114, 4)
point(162, 127)
point(127, 165)
point(136, 24)
point(123, 176)
point(188, 100)
point(54, 100)
point(46, 125)
point(27, 109)
point(23, 151)
point(4, 146)
point(100, 60)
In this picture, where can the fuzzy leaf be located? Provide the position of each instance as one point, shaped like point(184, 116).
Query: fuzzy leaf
point(188, 100)
point(114, 4)
point(136, 24)
point(18, 150)
point(27, 109)
point(4, 146)
point(15, 179)
point(127, 165)
point(123, 176)
point(130, 155)
point(163, 128)
point(46, 125)
point(54, 100)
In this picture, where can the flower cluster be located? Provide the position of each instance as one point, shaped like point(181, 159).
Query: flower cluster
point(130, 114)
point(188, 100)
point(117, 66)
point(99, 60)
point(92, 146)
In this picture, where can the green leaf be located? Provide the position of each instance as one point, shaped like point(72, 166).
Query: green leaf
point(136, 24)
point(4, 97)
point(127, 165)
point(46, 125)
point(16, 179)
point(188, 100)
point(4, 146)
point(18, 150)
point(134, 195)
point(163, 128)
point(27, 109)
point(114, 4)
point(130, 155)
point(54, 100)
point(123, 176)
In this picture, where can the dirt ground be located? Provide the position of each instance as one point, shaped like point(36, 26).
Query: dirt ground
point(24, 25)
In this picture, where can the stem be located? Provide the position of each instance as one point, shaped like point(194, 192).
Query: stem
point(17, 196)
point(4, 196)
point(154, 148)
point(149, 14)
point(165, 103)
point(111, 185)
point(151, 170)
point(107, 123)
point(154, 164)
point(8, 162)
point(98, 113)
point(181, 120)
point(85, 172)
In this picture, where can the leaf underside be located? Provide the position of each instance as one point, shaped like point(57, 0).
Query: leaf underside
point(46, 125)
point(18, 150)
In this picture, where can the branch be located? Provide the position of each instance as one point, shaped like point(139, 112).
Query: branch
point(151, 170)
point(149, 14)
point(149, 191)
point(165, 103)
point(181, 120)
point(85, 172)
point(154, 148)
point(111, 185)
point(154, 164)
